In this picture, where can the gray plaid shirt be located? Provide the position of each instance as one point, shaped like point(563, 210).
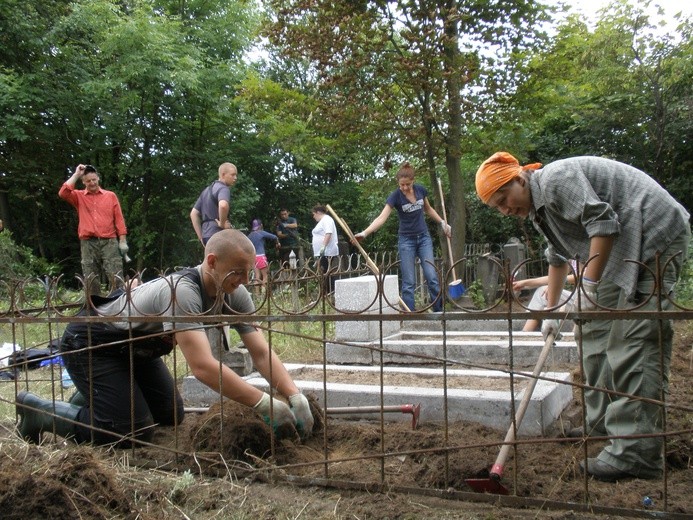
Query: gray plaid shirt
point(578, 198)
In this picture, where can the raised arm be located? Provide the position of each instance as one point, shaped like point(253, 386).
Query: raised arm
point(67, 189)
point(376, 224)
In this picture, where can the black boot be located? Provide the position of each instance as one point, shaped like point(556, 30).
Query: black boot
point(36, 416)
point(78, 399)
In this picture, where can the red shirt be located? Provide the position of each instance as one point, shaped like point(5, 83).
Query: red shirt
point(99, 213)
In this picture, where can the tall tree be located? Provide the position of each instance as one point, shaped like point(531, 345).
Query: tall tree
point(141, 89)
point(621, 90)
point(407, 75)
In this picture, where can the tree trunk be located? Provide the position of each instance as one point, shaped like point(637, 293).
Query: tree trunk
point(456, 207)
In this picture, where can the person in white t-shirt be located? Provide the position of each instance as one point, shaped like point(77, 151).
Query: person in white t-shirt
point(325, 243)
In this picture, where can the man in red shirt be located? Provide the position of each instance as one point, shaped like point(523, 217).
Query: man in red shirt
point(101, 230)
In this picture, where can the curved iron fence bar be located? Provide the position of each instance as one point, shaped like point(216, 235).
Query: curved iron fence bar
point(304, 273)
point(669, 294)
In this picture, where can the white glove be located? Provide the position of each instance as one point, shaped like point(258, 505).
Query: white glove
point(301, 410)
point(588, 301)
point(283, 416)
point(322, 251)
point(549, 327)
point(360, 236)
point(447, 230)
point(123, 247)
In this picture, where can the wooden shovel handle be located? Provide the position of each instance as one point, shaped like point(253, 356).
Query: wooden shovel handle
point(445, 217)
point(497, 468)
point(361, 250)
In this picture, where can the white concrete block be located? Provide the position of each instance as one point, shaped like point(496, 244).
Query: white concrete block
point(361, 295)
point(423, 347)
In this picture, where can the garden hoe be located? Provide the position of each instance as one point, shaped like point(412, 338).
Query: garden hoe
point(493, 484)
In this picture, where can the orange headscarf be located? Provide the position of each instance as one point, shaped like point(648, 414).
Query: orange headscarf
point(496, 171)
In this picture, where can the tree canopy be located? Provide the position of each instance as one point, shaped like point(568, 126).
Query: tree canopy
point(157, 94)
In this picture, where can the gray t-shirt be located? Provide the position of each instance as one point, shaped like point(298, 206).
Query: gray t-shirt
point(156, 298)
point(582, 197)
point(208, 206)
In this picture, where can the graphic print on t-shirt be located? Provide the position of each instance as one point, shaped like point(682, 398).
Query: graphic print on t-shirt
point(413, 206)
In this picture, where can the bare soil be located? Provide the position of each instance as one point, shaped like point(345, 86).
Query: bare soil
point(239, 473)
point(405, 379)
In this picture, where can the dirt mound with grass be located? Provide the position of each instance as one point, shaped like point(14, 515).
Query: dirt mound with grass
point(64, 484)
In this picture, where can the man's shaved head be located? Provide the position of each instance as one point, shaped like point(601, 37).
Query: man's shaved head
point(227, 167)
point(229, 243)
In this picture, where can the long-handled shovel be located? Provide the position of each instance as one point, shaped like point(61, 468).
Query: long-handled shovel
point(455, 288)
point(353, 240)
point(493, 484)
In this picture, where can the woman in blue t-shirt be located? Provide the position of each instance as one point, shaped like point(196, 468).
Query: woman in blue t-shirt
point(411, 202)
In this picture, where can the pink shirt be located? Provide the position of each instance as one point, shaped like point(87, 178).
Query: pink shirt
point(99, 213)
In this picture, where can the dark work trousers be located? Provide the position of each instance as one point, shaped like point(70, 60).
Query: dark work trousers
point(151, 393)
point(327, 268)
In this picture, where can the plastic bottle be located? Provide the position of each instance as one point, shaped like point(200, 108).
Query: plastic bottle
point(66, 380)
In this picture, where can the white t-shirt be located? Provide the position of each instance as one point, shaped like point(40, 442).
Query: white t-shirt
point(325, 226)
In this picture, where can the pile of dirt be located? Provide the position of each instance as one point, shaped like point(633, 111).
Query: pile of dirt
point(422, 458)
point(438, 457)
point(66, 484)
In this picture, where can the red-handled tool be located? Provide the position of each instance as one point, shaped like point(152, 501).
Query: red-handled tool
point(413, 409)
point(493, 484)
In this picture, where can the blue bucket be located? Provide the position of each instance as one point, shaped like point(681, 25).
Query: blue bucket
point(456, 289)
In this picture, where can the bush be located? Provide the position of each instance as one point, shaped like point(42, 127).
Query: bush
point(18, 262)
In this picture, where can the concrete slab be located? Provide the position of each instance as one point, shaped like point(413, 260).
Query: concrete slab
point(488, 407)
point(471, 325)
point(361, 295)
point(414, 347)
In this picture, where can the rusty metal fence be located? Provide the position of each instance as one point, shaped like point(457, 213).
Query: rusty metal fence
point(33, 314)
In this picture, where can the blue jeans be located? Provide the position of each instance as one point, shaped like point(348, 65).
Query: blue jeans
point(421, 246)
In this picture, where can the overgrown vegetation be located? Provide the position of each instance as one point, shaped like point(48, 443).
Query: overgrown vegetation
point(321, 116)
point(18, 262)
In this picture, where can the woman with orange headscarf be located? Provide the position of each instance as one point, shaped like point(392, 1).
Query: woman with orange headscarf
point(613, 219)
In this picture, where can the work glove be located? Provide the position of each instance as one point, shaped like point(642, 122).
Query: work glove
point(301, 410)
point(322, 251)
point(359, 237)
point(549, 327)
point(284, 420)
point(447, 230)
point(123, 247)
point(589, 298)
